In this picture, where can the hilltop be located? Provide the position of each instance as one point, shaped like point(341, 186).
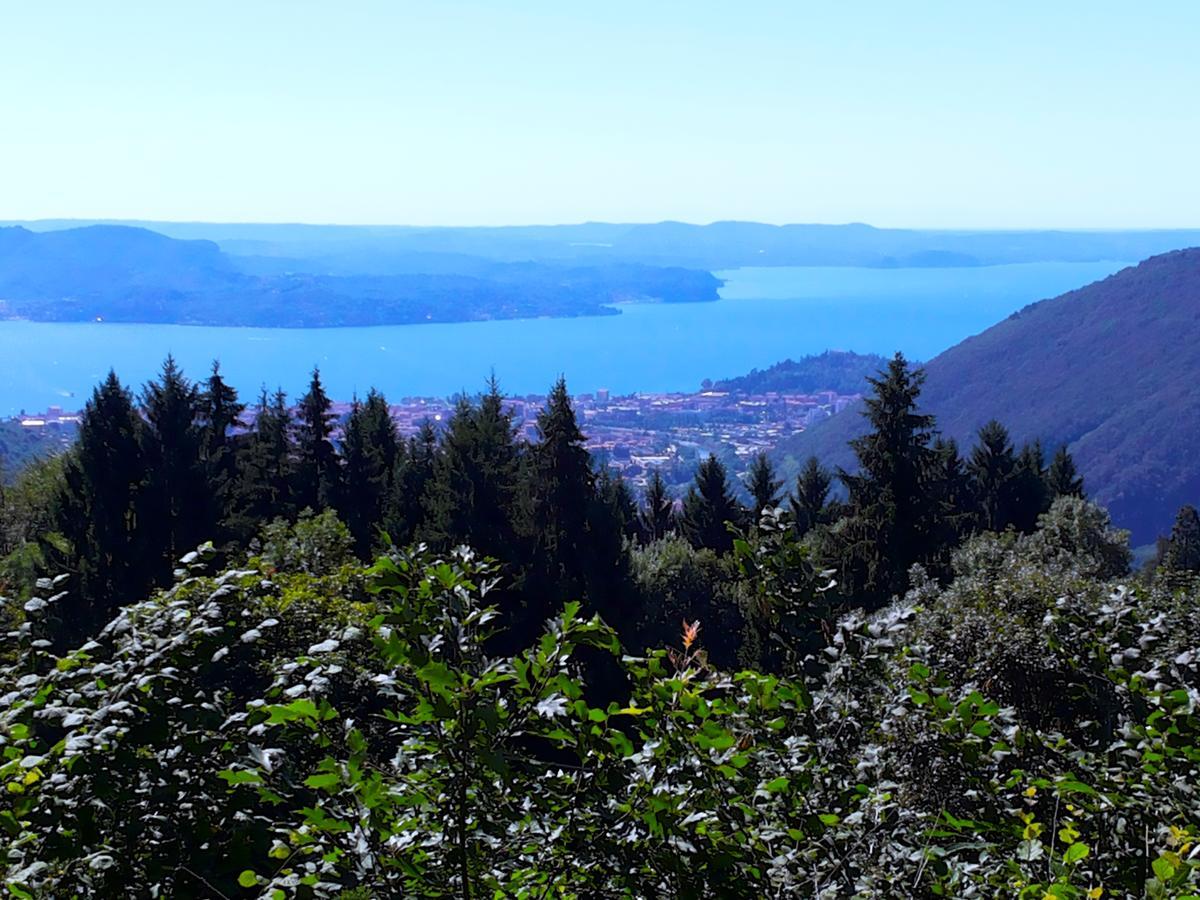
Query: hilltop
point(1111, 370)
point(841, 371)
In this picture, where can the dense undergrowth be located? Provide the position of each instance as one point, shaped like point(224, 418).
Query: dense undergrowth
point(304, 726)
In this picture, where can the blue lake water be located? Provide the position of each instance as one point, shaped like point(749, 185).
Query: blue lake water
point(764, 315)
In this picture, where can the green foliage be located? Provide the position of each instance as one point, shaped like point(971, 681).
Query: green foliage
point(316, 471)
point(370, 447)
point(657, 515)
point(315, 545)
point(1029, 730)
point(710, 507)
point(892, 518)
point(809, 503)
point(762, 484)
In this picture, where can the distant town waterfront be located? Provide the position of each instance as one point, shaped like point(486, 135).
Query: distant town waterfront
point(765, 315)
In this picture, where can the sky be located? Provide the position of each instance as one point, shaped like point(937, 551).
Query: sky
point(924, 114)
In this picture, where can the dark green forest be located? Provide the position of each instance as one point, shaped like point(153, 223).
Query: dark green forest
point(256, 652)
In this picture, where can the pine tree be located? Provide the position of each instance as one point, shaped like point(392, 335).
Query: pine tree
point(892, 522)
point(265, 469)
point(380, 431)
point(176, 513)
point(614, 491)
point(992, 469)
point(808, 502)
point(220, 412)
point(97, 510)
point(1182, 551)
point(709, 507)
point(657, 514)
point(474, 497)
point(563, 487)
point(413, 472)
point(1062, 479)
point(316, 461)
point(1029, 495)
point(762, 484)
point(954, 505)
point(365, 476)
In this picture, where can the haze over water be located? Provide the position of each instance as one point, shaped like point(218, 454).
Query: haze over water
point(765, 315)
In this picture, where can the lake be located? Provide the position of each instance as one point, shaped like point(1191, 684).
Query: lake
point(764, 315)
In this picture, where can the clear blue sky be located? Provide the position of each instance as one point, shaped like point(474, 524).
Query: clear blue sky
point(955, 114)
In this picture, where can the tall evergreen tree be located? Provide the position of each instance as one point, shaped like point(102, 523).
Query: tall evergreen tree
point(1062, 478)
point(1182, 551)
point(892, 522)
point(762, 484)
point(811, 497)
point(614, 490)
point(413, 472)
point(658, 509)
point(265, 469)
point(954, 513)
point(176, 504)
point(992, 469)
point(220, 412)
point(316, 460)
point(1030, 497)
point(97, 510)
point(380, 431)
point(709, 507)
point(474, 497)
point(563, 486)
point(365, 476)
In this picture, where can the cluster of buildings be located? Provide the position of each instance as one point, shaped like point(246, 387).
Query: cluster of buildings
point(638, 433)
point(635, 433)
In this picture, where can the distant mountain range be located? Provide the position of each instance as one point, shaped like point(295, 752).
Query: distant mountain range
point(124, 274)
point(391, 250)
point(1112, 370)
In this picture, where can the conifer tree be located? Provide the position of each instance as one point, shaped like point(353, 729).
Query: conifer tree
point(1182, 551)
point(176, 503)
point(316, 459)
point(708, 508)
point(954, 506)
point(413, 472)
point(1062, 478)
point(365, 475)
point(992, 469)
point(808, 502)
point(265, 469)
point(97, 509)
point(474, 497)
point(762, 484)
point(220, 411)
point(380, 432)
point(892, 522)
point(563, 486)
point(658, 509)
point(1029, 496)
point(623, 510)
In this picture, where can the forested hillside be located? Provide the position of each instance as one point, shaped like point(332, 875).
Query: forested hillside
point(1109, 370)
point(262, 653)
point(834, 370)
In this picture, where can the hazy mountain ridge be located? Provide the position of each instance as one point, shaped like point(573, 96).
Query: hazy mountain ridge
point(1109, 369)
point(718, 245)
point(125, 274)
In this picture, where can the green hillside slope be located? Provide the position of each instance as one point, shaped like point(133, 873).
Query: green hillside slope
point(1111, 369)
